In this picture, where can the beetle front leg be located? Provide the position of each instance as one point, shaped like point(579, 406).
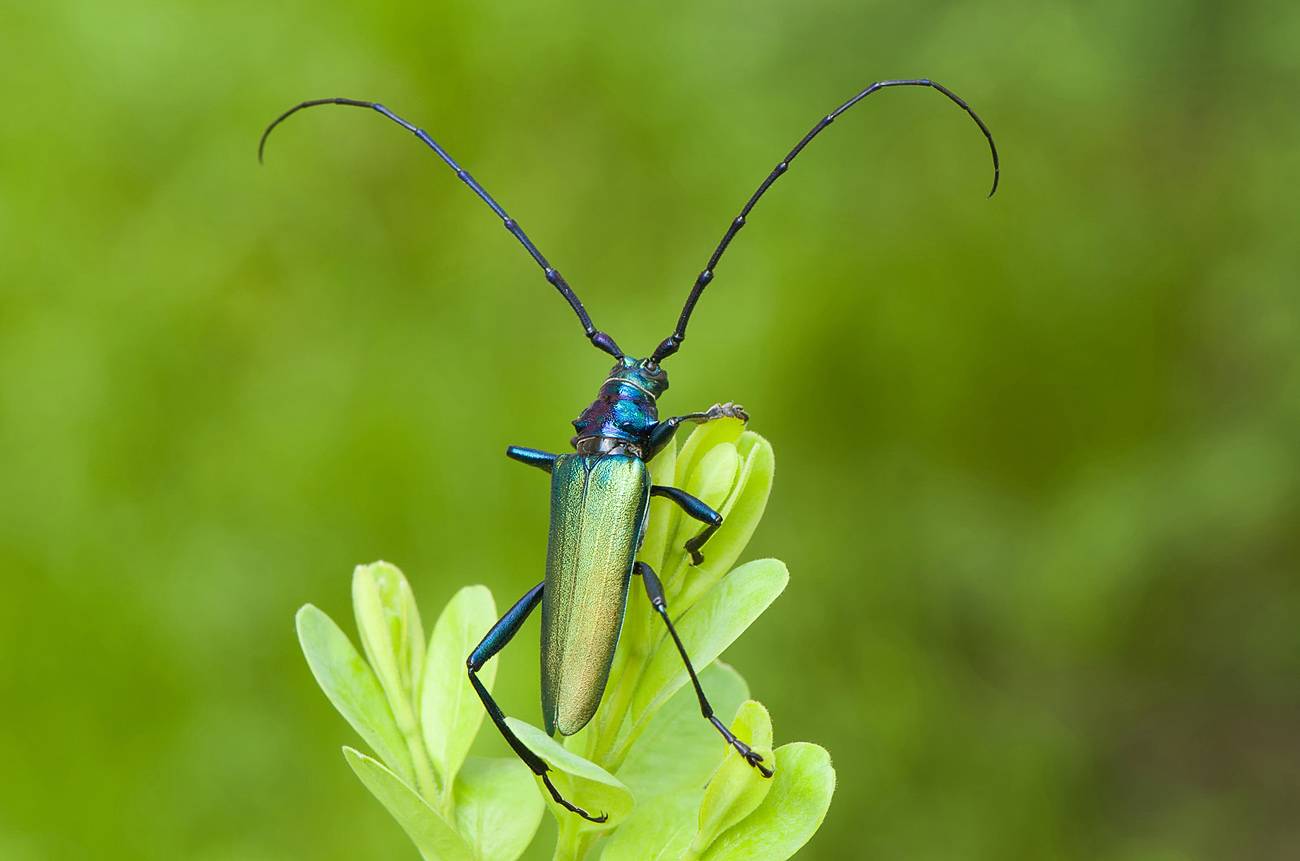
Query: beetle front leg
point(543, 460)
point(663, 431)
point(496, 640)
point(655, 592)
point(696, 508)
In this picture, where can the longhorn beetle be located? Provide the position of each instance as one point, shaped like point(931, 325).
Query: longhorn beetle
point(600, 493)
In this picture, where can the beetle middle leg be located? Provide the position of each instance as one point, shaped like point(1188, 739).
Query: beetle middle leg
point(696, 508)
point(496, 640)
point(655, 592)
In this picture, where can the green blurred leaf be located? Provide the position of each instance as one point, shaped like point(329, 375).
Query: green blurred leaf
point(708, 629)
point(579, 780)
point(432, 835)
point(737, 788)
point(389, 624)
point(790, 814)
point(450, 711)
point(498, 807)
point(668, 767)
point(351, 686)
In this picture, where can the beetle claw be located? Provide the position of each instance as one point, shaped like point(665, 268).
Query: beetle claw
point(693, 547)
point(756, 760)
point(751, 756)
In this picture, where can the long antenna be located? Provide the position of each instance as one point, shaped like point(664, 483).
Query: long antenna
point(597, 337)
point(670, 344)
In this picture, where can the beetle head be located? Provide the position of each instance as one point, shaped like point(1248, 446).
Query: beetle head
point(645, 374)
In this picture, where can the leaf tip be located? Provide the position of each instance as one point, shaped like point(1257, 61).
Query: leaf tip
point(306, 614)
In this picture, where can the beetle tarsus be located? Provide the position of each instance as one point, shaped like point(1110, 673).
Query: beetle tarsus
point(567, 805)
point(726, 411)
point(746, 752)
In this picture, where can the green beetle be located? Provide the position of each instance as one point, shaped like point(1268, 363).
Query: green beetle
point(600, 494)
point(600, 498)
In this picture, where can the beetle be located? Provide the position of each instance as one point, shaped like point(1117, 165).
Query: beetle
point(600, 492)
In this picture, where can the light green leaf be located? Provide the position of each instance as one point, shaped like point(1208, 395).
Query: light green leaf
point(706, 466)
point(389, 624)
point(737, 788)
point(715, 474)
point(432, 835)
point(579, 780)
point(639, 619)
point(708, 629)
point(663, 512)
point(668, 767)
point(711, 482)
point(678, 749)
point(351, 686)
point(703, 438)
point(658, 830)
point(450, 711)
point(497, 807)
point(790, 814)
point(741, 513)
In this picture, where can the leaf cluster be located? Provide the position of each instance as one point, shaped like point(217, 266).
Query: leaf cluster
point(669, 785)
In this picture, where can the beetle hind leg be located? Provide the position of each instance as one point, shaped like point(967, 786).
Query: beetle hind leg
point(496, 640)
point(655, 592)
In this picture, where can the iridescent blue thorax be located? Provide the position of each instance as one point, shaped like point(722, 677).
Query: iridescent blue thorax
point(625, 410)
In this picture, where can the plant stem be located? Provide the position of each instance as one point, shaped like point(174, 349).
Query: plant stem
point(424, 779)
point(616, 707)
point(425, 783)
point(574, 842)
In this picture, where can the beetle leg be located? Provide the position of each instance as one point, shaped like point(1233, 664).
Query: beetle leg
point(655, 591)
point(543, 460)
point(496, 640)
point(696, 508)
point(663, 431)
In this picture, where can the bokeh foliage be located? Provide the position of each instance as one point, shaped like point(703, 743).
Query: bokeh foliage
point(1039, 478)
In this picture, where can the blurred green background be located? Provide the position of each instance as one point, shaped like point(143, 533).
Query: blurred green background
point(1038, 474)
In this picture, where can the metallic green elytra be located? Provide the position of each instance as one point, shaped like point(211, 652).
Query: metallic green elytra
point(598, 512)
